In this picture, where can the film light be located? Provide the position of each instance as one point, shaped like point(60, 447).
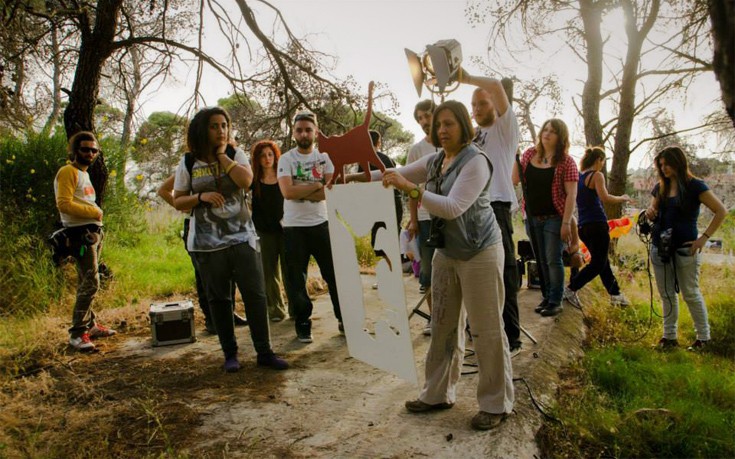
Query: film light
point(437, 68)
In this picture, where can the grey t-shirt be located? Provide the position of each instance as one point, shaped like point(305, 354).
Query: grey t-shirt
point(216, 228)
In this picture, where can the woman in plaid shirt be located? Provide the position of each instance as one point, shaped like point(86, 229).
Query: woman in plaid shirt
point(551, 177)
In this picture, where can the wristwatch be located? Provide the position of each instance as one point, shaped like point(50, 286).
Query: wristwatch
point(415, 193)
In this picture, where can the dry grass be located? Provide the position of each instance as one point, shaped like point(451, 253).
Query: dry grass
point(59, 403)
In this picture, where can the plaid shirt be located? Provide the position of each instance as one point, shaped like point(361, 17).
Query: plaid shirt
point(565, 172)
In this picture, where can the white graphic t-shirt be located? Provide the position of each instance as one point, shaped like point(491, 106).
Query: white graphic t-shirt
point(303, 170)
point(216, 228)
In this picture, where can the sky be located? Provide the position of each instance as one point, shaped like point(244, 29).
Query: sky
point(369, 37)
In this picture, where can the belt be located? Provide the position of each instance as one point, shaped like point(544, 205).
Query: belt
point(543, 218)
point(505, 204)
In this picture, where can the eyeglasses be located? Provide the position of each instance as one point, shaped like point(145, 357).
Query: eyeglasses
point(94, 151)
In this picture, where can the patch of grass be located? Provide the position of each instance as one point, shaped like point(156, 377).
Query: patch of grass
point(636, 402)
point(156, 265)
point(27, 345)
point(625, 399)
point(29, 281)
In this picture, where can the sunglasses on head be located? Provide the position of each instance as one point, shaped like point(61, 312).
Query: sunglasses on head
point(304, 116)
point(89, 150)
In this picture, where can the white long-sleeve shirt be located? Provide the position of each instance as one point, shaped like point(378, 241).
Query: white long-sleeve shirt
point(467, 188)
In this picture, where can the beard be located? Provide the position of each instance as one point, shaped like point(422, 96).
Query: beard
point(305, 144)
point(84, 161)
point(488, 120)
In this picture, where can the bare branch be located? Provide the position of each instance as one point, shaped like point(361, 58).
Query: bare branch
point(669, 134)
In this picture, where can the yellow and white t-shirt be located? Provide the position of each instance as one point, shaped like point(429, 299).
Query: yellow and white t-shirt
point(75, 197)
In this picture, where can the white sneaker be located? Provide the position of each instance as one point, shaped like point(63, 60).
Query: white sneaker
point(82, 343)
point(100, 331)
point(427, 329)
point(572, 298)
point(619, 300)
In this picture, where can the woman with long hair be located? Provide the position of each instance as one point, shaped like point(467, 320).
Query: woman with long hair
point(593, 227)
point(551, 177)
point(677, 245)
point(467, 268)
point(267, 215)
point(221, 234)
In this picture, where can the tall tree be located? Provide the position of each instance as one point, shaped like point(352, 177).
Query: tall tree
point(103, 29)
point(722, 15)
point(159, 144)
point(636, 85)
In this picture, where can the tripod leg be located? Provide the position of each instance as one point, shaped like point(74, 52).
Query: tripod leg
point(525, 332)
point(417, 308)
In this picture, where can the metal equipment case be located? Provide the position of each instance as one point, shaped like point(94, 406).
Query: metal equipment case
point(172, 323)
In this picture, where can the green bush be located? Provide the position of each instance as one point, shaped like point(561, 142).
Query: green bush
point(28, 166)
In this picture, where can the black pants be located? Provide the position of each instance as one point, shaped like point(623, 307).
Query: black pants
point(301, 243)
point(239, 264)
point(596, 237)
point(511, 316)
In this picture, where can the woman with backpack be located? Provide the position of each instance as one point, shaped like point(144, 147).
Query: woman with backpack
point(221, 234)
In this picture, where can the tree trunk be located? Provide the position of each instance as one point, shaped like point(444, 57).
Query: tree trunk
point(626, 114)
point(722, 14)
point(131, 97)
point(53, 117)
point(95, 48)
point(591, 13)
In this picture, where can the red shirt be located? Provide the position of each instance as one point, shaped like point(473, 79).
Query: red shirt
point(566, 171)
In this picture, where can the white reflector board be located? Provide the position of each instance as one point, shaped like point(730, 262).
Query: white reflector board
point(376, 326)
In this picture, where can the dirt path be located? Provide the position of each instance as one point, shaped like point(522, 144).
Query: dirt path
point(328, 404)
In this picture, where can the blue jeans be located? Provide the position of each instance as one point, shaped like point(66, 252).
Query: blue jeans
point(239, 264)
point(545, 237)
point(301, 243)
point(687, 275)
point(427, 253)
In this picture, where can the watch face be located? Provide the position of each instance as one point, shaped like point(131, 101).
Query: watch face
point(413, 193)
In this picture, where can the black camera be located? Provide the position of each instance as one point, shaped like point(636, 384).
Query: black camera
point(665, 246)
point(645, 226)
point(61, 246)
point(436, 234)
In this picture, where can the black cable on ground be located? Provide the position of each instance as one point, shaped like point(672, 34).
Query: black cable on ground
point(536, 404)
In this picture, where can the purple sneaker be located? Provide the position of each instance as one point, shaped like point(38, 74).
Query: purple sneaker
point(271, 360)
point(231, 364)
